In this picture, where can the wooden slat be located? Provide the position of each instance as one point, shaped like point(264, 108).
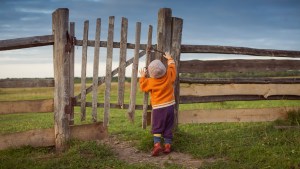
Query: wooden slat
point(175, 52)
point(146, 94)
point(115, 44)
point(60, 25)
point(135, 65)
point(122, 62)
point(28, 42)
point(83, 70)
point(287, 80)
point(24, 83)
point(108, 76)
point(222, 98)
point(71, 79)
point(46, 137)
point(198, 66)
point(265, 90)
point(238, 50)
point(95, 70)
point(115, 106)
point(26, 106)
point(234, 115)
point(114, 72)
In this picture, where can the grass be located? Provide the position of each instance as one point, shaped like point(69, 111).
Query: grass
point(223, 145)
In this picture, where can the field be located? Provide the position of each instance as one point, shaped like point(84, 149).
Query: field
point(219, 145)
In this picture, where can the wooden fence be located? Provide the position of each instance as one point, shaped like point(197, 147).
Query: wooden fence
point(169, 32)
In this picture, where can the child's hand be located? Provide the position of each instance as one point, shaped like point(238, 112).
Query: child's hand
point(167, 55)
point(142, 73)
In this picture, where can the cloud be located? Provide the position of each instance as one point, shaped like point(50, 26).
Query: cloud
point(33, 10)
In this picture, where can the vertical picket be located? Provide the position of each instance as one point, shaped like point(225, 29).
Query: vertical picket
point(96, 70)
point(71, 82)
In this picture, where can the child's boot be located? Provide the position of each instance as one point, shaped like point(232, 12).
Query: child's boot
point(156, 149)
point(167, 149)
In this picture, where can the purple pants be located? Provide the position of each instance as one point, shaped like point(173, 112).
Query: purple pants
point(163, 121)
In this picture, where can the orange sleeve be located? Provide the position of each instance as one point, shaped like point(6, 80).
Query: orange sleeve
point(171, 70)
point(144, 84)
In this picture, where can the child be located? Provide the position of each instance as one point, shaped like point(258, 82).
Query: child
point(160, 85)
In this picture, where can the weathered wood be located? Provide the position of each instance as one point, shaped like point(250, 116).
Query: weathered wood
point(28, 42)
point(91, 43)
point(122, 61)
point(96, 70)
point(114, 72)
point(238, 50)
point(45, 137)
point(26, 82)
point(26, 106)
point(287, 80)
point(265, 90)
point(206, 99)
point(198, 66)
point(83, 69)
point(164, 32)
point(60, 26)
point(175, 52)
point(135, 65)
point(108, 76)
point(233, 115)
point(115, 106)
point(71, 78)
point(146, 94)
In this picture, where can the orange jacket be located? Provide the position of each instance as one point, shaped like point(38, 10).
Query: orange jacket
point(161, 89)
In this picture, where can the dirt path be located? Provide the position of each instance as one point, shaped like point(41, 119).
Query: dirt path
point(126, 152)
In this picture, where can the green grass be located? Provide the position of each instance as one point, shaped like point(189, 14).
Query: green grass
point(228, 145)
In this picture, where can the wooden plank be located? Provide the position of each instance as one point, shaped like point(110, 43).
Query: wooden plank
point(108, 76)
point(71, 79)
point(115, 106)
point(83, 69)
point(222, 98)
point(135, 65)
point(233, 115)
point(238, 65)
point(46, 137)
point(96, 70)
point(113, 73)
point(26, 82)
point(122, 61)
point(164, 32)
point(28, 42)
point(238, 51)
point(60, 25)
point(146, 94)
point(175, 52)
point(287, 80)
point(265, 90)
point(91, 43)
point(26, 106)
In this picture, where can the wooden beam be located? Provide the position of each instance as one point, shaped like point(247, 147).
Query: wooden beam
point(233, 115)
point(238, 65)
point(91, 43)
point(265, 90)
point(238, 50)
point(71, 77)
point(26, 82)
point(287, 80)
point(26, 106)
point(46, 137)
point(28, 42)
point(115, 106)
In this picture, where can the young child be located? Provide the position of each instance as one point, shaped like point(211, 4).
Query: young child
point(160, 86)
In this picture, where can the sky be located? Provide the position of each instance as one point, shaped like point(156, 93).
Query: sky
point(263, 24)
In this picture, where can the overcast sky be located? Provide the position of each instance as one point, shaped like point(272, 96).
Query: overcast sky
point(265, 24)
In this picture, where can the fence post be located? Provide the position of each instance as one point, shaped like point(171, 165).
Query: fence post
point(60, 25)
point(72, 62)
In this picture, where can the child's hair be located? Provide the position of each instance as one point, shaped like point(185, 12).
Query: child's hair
point(156, 69)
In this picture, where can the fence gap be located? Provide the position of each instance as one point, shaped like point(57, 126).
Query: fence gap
point(122, 62)
point(108, 76)
point(135, 64)
point(96, 70)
